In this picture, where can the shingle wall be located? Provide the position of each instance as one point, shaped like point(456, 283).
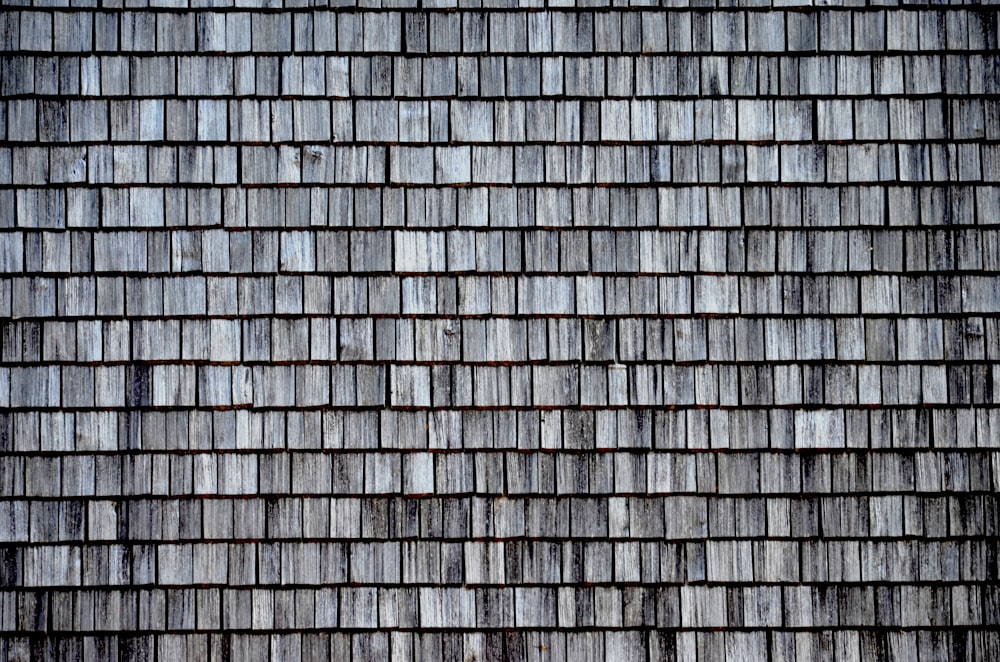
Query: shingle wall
point(533, 331)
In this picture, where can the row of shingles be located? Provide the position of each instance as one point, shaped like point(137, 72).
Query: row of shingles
point(535, 295)
point(357, 298)
point(573, 470)
point(425, 32)
point(767, 243)
point(528, 76)
point(516, 194)
point(842, 255)
point(82, 388)
point(456, 165)
point(525, 123)
point(642, 216)
point(528, 125)
point(524, 5)
point(919, 335)
point(502, 429)
point(609, 608)
point(960, 516)
point(754, 473)
point(842, 645)
point(550, 565)
point(524, 78)
point(514, 342)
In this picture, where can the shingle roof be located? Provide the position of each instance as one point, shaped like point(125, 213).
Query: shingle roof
point(464, 330)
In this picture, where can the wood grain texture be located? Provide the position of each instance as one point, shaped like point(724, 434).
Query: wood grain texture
point(566, 330)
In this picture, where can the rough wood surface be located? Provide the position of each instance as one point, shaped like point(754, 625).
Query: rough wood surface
point(499, 330)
